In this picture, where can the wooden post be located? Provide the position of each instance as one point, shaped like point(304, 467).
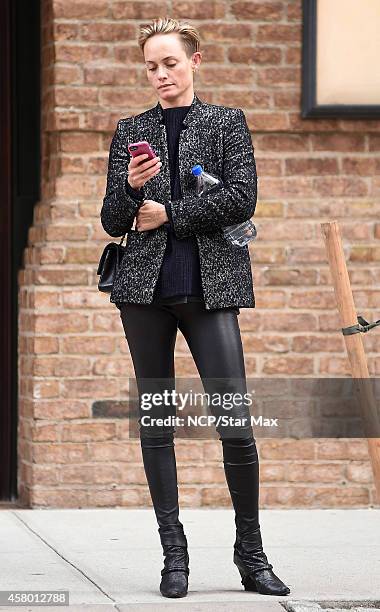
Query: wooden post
point(354, 342)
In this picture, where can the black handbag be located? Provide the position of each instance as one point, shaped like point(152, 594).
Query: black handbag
point(109, 264)
point(110, 260)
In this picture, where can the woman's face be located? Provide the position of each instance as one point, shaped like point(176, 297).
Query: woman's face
point(169, 69)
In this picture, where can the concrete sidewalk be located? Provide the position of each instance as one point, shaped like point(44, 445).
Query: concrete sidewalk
point(110, 559)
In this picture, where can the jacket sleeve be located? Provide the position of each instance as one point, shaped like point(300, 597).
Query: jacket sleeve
point(136, 194)
point(120, 204)
point(233, 202)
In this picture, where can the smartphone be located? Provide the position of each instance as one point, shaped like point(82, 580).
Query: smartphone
point(138, 148)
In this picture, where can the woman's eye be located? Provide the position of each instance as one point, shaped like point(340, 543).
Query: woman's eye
point(168, 65)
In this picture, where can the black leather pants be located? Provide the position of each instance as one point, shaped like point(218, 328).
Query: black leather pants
point(213, 337)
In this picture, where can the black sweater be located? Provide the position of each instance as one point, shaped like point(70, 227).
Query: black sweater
point(179, 279)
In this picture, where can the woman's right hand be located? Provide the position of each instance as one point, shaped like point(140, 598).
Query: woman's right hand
point(139, 172)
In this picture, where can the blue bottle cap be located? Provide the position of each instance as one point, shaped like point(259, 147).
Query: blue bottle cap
point(197, 170)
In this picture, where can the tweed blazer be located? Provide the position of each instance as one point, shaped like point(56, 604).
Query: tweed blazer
point(218, 138)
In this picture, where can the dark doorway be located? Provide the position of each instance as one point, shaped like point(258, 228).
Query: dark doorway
point(19, 191)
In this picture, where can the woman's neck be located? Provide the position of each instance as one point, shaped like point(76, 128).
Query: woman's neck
point(185, 100)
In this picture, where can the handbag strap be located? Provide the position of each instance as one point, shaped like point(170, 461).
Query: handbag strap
point(133, 127)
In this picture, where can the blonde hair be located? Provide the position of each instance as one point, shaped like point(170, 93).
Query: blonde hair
point(188, 34)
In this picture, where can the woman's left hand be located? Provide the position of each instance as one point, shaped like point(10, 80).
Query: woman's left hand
point(150, 215)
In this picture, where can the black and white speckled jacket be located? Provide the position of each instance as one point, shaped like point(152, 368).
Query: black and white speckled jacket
point(218, 138)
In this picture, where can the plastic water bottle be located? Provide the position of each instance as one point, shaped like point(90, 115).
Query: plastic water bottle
point(239, 234)
point(205, 181)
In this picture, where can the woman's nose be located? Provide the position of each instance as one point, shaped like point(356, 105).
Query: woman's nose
point(161, 72)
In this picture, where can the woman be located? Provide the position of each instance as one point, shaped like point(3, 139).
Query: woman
point(179, 271)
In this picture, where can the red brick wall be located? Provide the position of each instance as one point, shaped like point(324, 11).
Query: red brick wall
point(72, 349)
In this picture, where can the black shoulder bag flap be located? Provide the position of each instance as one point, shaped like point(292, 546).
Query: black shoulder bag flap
point(109, 265)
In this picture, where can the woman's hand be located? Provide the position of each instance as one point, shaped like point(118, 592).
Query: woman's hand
point(150, 215)
point(140, 172)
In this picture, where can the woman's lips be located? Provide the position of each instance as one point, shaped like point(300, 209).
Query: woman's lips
point(168, 85)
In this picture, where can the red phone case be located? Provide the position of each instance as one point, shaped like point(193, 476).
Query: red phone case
point(138, 148)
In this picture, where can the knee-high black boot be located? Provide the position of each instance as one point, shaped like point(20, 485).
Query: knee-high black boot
point(161, 472)
point(241, 465)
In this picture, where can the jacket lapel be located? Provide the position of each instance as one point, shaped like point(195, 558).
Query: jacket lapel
point(187, 151)
point(190, 116)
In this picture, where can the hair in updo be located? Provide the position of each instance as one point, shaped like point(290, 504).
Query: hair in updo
point(188, 33)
